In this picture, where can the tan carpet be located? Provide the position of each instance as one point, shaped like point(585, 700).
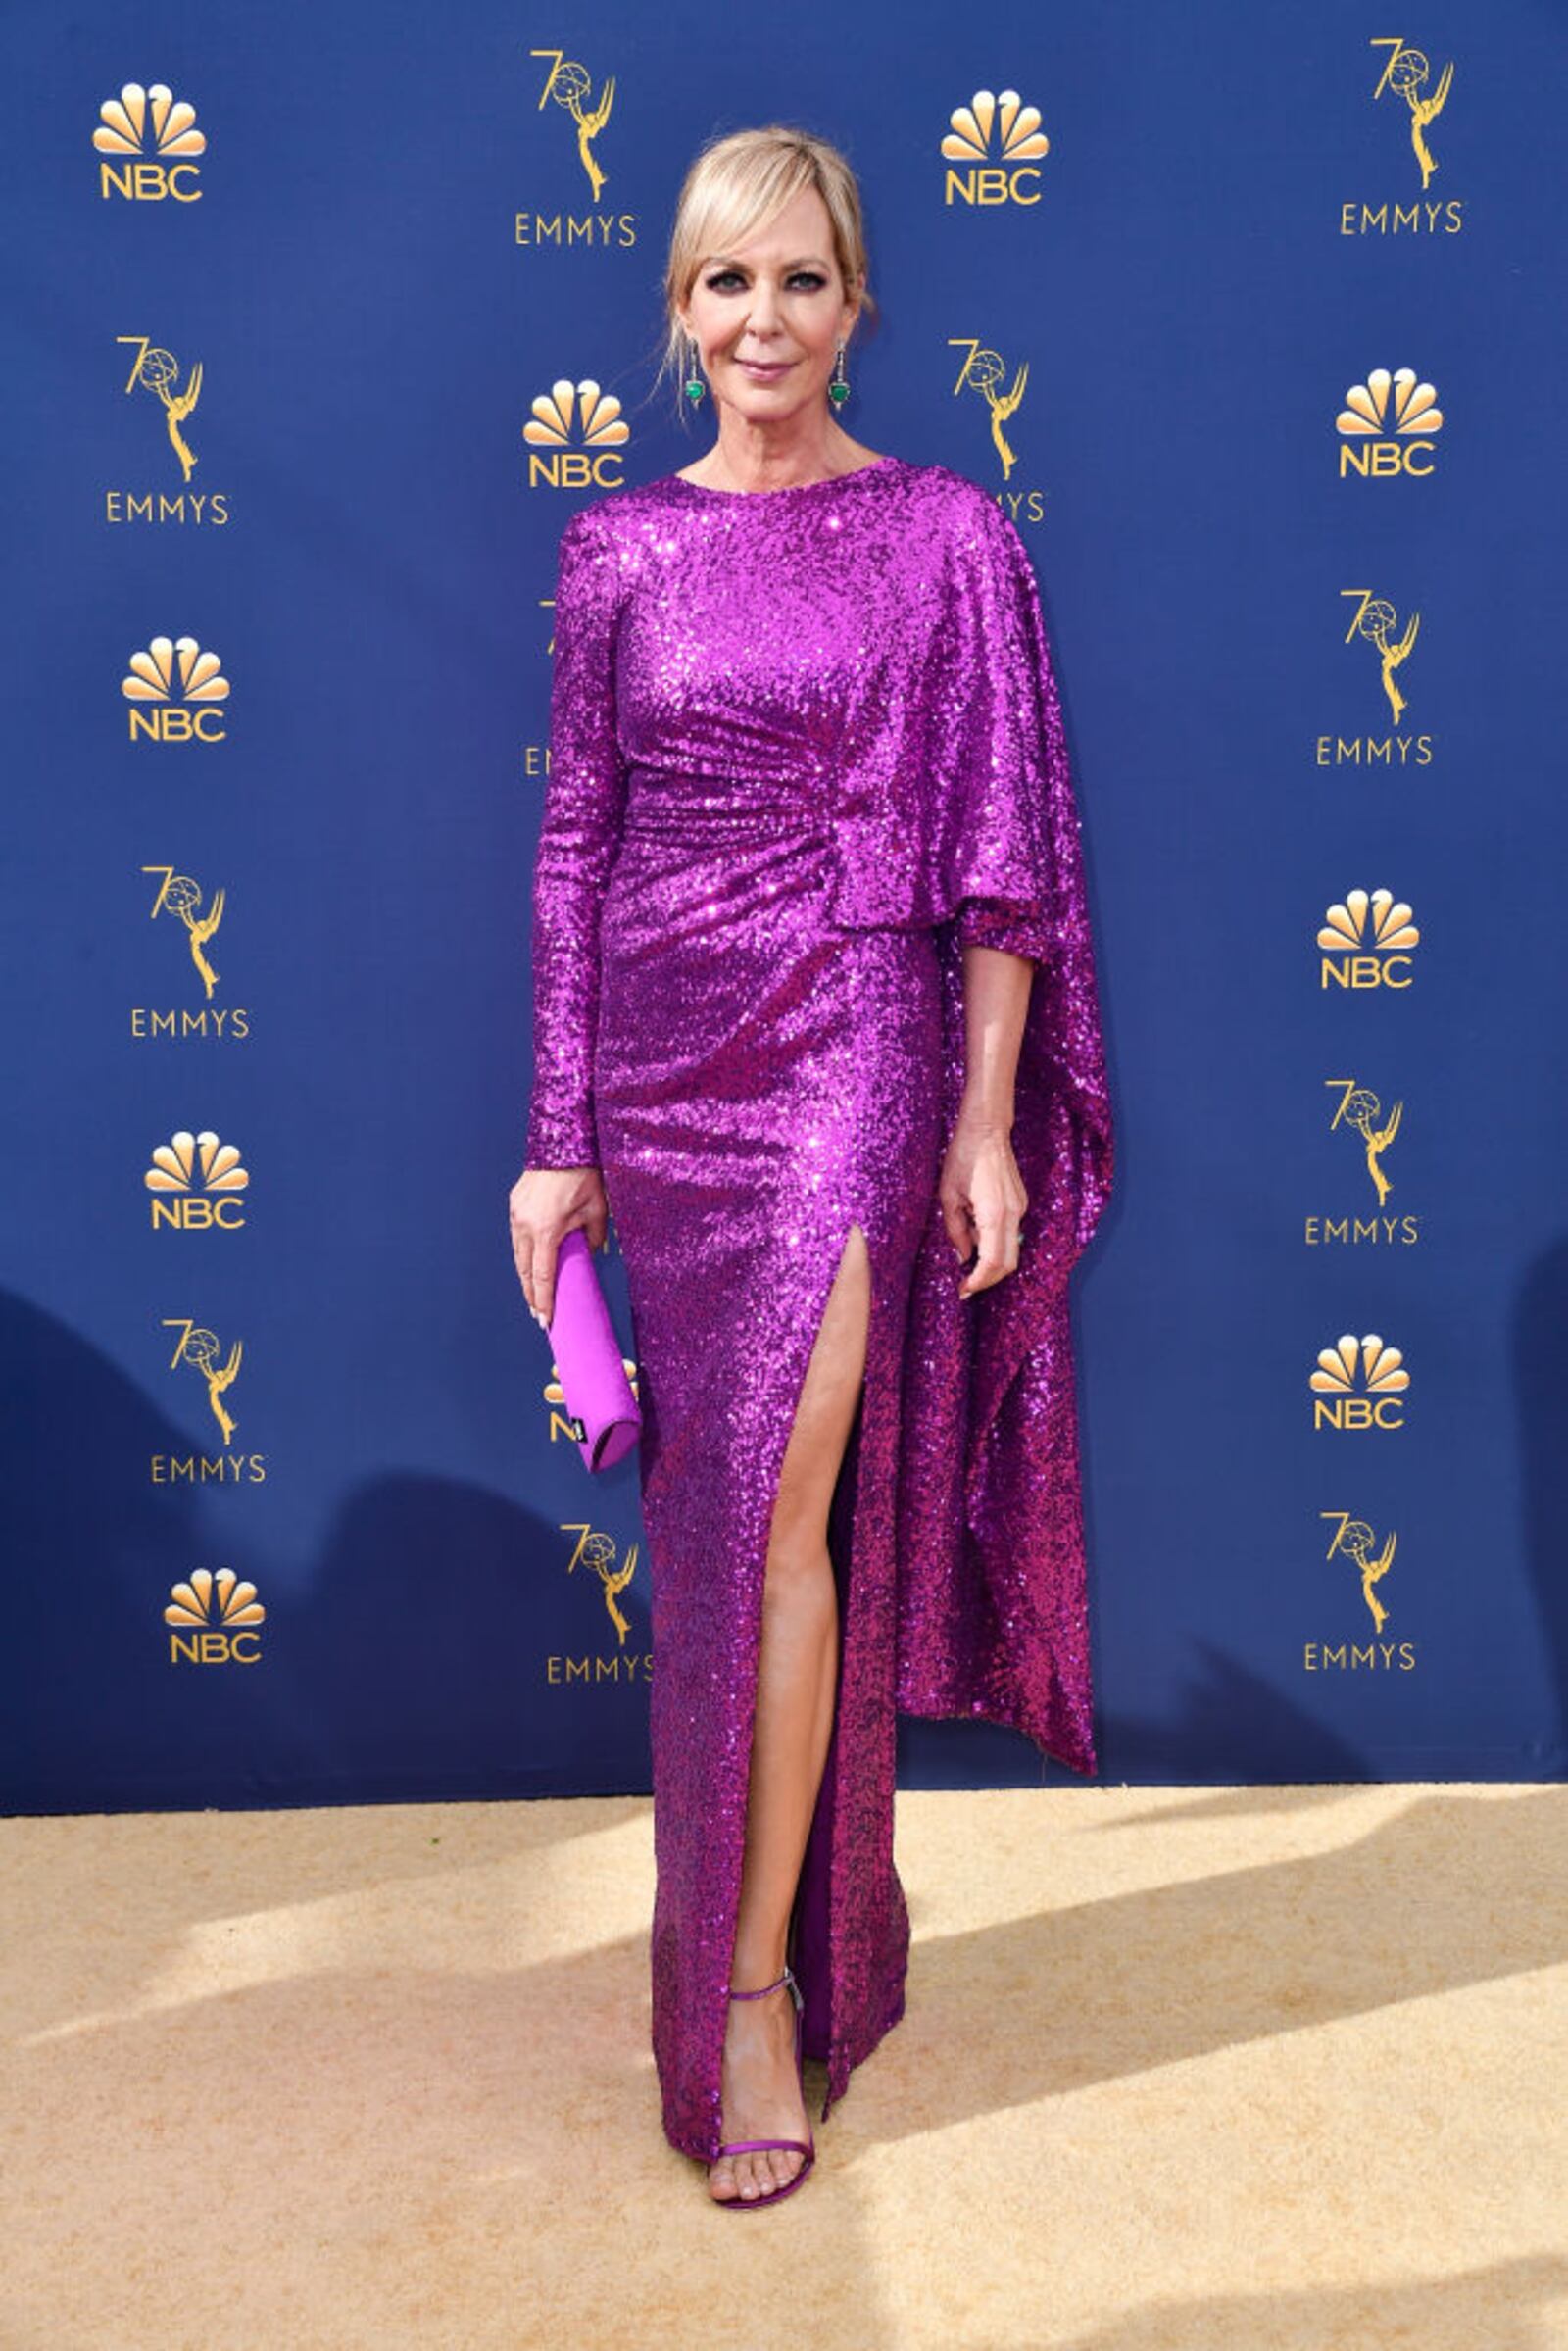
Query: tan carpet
point(1182, 2070)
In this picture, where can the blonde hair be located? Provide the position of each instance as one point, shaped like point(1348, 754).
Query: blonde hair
point(736, 184)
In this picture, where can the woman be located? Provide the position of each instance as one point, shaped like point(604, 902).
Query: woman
point(815, 1014)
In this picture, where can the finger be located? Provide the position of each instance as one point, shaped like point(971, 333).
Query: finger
point(544, 1283)
point(997, 1257)
point(957, 1225)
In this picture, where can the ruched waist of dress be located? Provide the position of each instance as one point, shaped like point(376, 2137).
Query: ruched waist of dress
point(701, 808)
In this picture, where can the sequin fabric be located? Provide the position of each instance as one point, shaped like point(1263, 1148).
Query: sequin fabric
point(807, 744)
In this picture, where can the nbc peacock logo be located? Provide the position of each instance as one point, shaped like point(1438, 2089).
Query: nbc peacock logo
point(1365, 942)
point(195, 1182)
point(175, 690)
point(213, 1620)
point(1359, 1384)
point(1387, 427)
point(575, 435)
point(992, 149)
point(561, 1422)
point(147, 142)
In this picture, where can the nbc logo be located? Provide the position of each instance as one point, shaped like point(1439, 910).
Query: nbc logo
point(562, 1423)
point(174, 689)
point(147, 139)
point(195, 1182)
point(1359, 1384)
point(571, 433)
point(210, 1619)
point(1386, 425)
point(998, 142)
point(1366, 942)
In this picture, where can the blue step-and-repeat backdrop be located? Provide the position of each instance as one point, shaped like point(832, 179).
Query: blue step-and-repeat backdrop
point(322, 321)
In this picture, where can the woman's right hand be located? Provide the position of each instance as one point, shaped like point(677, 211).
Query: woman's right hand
point(546, 1204)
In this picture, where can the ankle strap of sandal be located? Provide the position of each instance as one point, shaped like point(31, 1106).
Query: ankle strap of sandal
point(786, 1978)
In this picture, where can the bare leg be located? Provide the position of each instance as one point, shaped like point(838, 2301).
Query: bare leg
point(797, 1675)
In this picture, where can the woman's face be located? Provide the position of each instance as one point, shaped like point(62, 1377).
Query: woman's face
point(777, 301)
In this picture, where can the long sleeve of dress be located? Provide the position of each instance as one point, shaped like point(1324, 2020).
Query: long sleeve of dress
point(579, 834)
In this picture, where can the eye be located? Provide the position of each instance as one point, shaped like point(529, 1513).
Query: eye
point(811, 280)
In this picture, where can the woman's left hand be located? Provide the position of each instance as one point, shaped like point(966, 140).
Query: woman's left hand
point(982, 1199)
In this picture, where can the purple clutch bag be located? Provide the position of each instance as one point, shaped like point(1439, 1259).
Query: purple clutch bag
point(605, 1415)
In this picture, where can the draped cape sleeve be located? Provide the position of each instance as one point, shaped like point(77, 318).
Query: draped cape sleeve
point(959, 813)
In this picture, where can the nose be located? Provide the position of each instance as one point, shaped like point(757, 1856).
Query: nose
point(762, 309)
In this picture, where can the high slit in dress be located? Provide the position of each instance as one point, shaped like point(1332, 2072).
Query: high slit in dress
point(805, 745)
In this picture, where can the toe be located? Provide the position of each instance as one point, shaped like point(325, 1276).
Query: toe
point(721, 2180)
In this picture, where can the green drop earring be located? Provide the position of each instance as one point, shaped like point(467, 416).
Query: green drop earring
point(838, 390)
point(695, 388)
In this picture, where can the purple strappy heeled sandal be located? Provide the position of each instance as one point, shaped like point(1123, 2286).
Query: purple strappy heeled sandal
point(754, 2147)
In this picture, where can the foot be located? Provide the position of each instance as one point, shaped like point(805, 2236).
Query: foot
point(760, 2097)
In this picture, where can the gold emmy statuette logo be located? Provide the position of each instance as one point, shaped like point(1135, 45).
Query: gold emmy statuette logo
point(174, 690)
point(1359, 1112)
point(1366, 942)
point(179, 896)
point(211, 1616)
point(157, 372)
point(998, 142)
point(622, 1664)
point(1359, 1384)
point(570, 85)
point(576, 427)
point(1406, 75)
point(198, 1350)
point(195, 1182)
point(1386, 426)
point(1359, 1108)
point(982, 371)
point(1375, 622)
point(561, 1422)
point(148, 137)
point(1355, 1541)
point(599, 1551)
point(1355, 1538)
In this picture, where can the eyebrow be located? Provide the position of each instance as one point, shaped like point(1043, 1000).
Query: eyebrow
point(801, 261)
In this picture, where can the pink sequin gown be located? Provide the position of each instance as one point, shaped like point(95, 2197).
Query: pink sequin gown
point(805, 743)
